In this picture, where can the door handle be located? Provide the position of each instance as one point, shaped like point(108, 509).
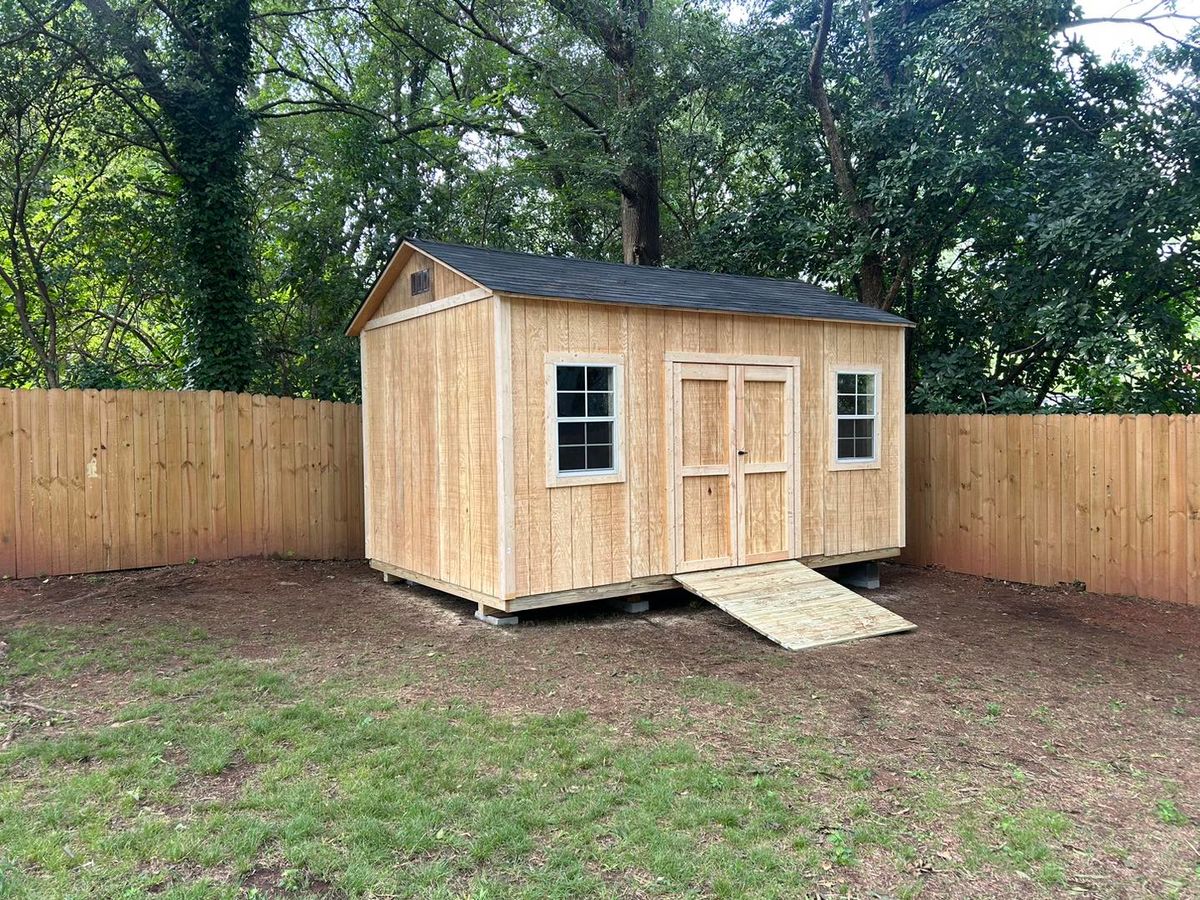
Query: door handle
point(742, 452)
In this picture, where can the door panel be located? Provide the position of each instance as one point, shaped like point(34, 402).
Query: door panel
point(704, 407)
point(764, 481)
point(733, 456)
point(764, 514)
point(763, 409)
point(706, 422)
point(706, 518)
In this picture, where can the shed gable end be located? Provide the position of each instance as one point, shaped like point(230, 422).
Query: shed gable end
point(413, 278)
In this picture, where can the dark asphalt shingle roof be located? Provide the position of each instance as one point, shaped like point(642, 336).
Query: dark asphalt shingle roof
point(581, 279)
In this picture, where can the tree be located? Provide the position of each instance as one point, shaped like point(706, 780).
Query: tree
point(1031, 209)
point(40, 106)
point(1081, 278)
point(196, 82)
point(1028, 207)
point(604, 78)
point(360, 109)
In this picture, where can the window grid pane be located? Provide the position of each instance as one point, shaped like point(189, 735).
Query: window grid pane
point(599, 404)
point(571, 459)
point(599, 378)
point(598, 433)
point(599, 456)
point(570, 378)
point(586, 408)
point(570, 405)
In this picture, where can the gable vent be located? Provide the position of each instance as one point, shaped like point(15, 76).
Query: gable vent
point(418, 282)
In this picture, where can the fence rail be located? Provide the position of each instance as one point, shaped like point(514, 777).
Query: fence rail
point(94, 481)
point(1110, 501)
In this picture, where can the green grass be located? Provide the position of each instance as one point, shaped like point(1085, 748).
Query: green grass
point(716, 690)
point(204, 768)
point(1168, 813)
point(63, 653)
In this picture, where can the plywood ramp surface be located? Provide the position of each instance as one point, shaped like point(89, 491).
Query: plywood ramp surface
point(793, 605)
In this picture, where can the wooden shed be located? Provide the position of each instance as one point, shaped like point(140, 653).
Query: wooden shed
point(540, 430)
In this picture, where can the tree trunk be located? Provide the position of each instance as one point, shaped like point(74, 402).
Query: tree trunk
point(214, 219)
point(638, 138)
point(641, 228)
point(641, 222)
point(871, 289)
point(212, 129)
point(46, 350)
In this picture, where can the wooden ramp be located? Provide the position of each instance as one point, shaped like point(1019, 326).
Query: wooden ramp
point(793, 605)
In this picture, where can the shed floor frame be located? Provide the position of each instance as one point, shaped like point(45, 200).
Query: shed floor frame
point(647, 584)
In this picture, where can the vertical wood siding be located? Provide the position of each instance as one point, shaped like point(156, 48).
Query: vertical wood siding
point(609, 533)
point(94, 481)
point(431, 466)
point(1110, 501)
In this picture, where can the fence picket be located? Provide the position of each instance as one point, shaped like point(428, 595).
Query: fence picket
point(8, 483)
point(1112, 501)
point(94, 481)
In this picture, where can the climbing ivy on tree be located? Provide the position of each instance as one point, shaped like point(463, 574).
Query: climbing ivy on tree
point(210, 132)
point(197, 80)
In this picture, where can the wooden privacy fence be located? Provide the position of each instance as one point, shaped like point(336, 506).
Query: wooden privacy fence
point(1112, 502)
point(93, 481)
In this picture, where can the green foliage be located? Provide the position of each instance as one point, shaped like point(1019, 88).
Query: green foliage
point(1039, 209)
point(1077, 270)
point(218, 183)
point(1168, 813)
point(82, 286)
point(97, 375)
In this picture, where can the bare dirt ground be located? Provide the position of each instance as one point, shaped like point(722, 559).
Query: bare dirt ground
point(1091, 703)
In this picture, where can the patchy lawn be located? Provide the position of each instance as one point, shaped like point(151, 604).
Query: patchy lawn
point(289, 729)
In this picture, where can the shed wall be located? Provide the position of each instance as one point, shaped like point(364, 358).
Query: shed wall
point(429, 402)
point(611, 533)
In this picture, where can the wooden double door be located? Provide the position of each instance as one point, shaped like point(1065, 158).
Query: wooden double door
point(733, 464)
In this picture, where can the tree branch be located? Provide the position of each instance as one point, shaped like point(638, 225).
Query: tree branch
point(843, 175)
point(481, 30)
point(133, 48)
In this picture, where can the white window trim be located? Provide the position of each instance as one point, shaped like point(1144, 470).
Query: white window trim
point(850, 464)
point(616, 474)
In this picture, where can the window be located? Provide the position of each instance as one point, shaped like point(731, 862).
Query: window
point(418, 282)
point(585, 418)
point(857, 414)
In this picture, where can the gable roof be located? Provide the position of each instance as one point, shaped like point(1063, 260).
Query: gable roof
point(528, 275)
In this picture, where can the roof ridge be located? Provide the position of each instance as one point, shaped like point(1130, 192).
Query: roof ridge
point(415, 241)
